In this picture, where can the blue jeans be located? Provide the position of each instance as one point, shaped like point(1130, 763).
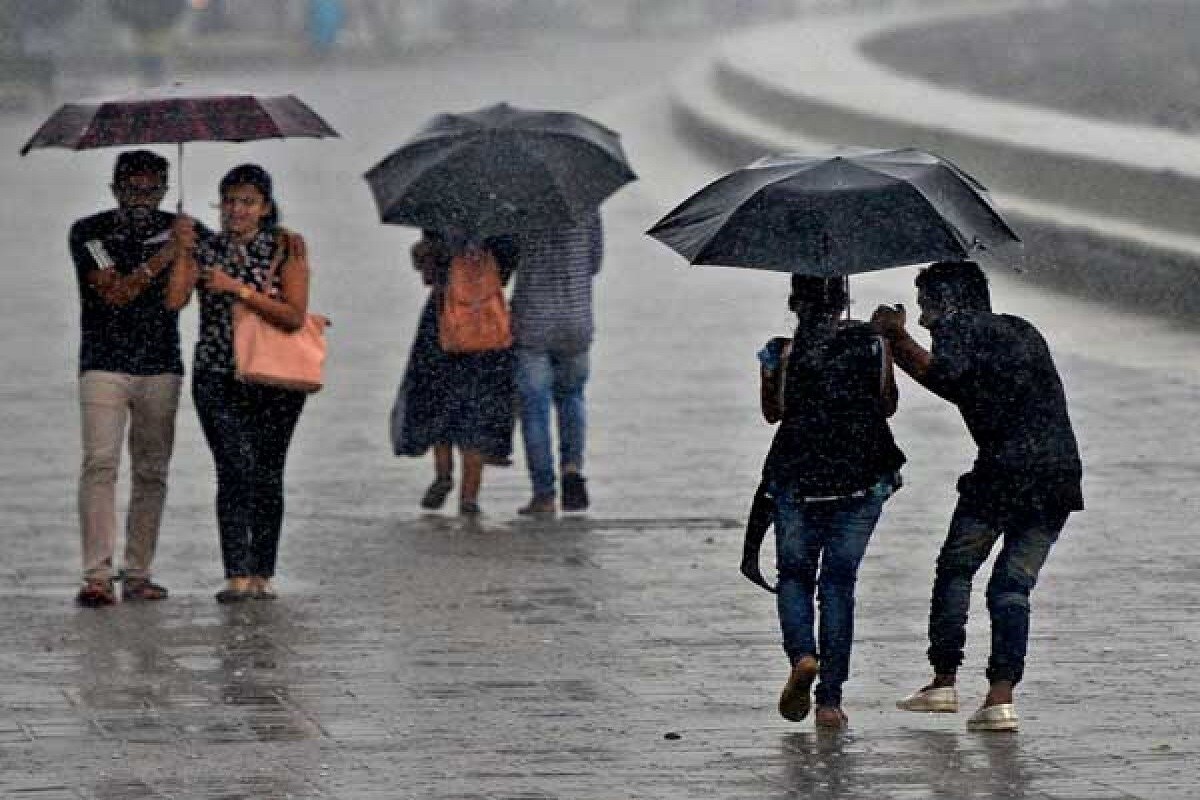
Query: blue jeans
point(818, 548)
point(545, 378)
point(1028, 536)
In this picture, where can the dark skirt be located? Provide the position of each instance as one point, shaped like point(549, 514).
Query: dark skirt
point(460, 399)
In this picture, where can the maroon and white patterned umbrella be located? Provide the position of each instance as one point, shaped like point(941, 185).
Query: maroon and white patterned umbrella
point(174, 115)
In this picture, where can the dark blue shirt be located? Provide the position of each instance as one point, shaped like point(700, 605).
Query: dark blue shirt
point(999, 372)
point(141, 338)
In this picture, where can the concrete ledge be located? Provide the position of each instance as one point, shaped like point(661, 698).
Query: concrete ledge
point(778, 89)
point(813, 77)
point(1150, 195)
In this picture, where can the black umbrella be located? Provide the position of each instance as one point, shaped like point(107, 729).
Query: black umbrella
point(500, 169)
point(857, 211)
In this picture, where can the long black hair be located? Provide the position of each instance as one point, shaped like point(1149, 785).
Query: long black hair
point(259, 178)
point(826, 296)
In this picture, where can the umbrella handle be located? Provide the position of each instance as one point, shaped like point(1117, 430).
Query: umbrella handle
point(179, 177)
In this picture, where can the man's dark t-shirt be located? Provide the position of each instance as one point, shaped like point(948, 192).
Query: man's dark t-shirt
point(141, 338)
point(998, 370)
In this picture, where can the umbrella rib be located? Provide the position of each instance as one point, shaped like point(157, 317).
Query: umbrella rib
point(983, 201)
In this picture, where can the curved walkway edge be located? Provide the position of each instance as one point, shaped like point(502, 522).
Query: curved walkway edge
point(804, 85)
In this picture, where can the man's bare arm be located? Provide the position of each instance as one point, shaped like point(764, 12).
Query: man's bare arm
point(121, 290)
point(906, 352)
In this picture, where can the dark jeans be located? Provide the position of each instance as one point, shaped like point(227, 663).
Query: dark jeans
point(818, 548)
point(248, 429)
point(1028, 535)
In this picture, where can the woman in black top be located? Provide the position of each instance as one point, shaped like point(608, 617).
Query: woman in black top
point(831, 466)
point(248, 426)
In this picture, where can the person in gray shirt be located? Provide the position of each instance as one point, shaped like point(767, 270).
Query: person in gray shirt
point(553, 328)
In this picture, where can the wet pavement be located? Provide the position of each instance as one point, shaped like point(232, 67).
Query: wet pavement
point(610, 655)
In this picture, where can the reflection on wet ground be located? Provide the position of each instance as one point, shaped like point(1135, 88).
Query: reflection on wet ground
point(911, 763)
point(221, 678)
point(140, 695)
point(499, 660)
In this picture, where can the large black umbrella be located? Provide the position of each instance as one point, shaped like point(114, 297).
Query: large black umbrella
point(857, 211)
point(500, 169)
point(177, 114)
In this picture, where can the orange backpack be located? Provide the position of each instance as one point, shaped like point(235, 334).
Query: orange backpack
point(474, 315)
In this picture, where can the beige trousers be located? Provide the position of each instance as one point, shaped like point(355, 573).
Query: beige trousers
point(110, 402)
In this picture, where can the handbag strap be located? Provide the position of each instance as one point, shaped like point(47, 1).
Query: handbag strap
point(277, 259)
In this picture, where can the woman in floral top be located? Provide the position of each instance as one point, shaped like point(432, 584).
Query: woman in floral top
point(248, 426)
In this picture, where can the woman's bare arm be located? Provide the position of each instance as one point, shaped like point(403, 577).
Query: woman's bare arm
point(288, 312)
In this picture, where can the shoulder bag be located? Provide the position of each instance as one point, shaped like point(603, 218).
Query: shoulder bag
point(266, 354)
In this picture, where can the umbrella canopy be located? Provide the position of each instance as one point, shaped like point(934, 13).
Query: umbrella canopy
point(176, 114)
point(858, 211)
point(498, 170)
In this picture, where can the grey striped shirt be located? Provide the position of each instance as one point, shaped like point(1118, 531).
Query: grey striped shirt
point(552, 298)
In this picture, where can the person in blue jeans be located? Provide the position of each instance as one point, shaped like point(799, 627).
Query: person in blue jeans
point(553, 328)
point(1025, 482)
point(832, 465)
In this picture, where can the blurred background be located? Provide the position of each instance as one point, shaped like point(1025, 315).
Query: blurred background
point(51, 49)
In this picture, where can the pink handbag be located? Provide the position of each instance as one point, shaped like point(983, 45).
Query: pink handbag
point(268, 355)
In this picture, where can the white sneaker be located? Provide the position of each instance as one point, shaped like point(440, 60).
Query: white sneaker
point(1001, 717)
point(941, 700)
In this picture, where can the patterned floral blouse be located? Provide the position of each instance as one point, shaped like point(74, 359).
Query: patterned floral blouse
point(249, 263)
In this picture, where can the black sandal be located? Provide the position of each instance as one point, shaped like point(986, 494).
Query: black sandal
point(436, 494)
point(228, 595)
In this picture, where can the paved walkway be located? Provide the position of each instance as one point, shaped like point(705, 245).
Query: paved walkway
point(611, 655)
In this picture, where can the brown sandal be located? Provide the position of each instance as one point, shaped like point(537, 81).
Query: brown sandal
point(142, 589)
point(96, 594)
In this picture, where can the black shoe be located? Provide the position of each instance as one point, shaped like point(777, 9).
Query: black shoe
point(469, 509)
point(436, 494)
point(574, 492)
point(228, 595)
point(538, 505)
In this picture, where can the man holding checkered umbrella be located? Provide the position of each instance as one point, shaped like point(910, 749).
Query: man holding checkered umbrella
point(130, 372)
